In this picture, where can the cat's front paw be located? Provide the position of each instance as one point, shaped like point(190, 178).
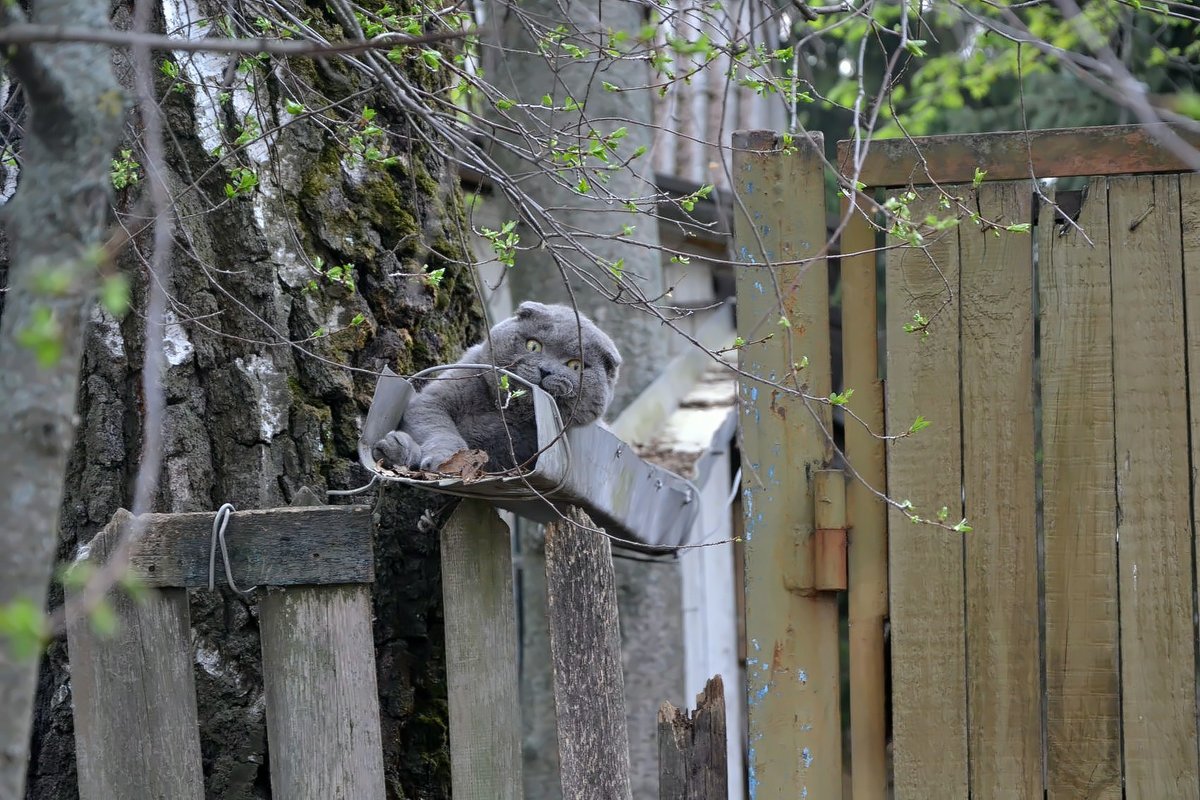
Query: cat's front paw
point(397, 449)
point(438, 451)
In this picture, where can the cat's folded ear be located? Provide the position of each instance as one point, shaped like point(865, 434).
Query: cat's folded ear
point(529, 308)
point(609, 354)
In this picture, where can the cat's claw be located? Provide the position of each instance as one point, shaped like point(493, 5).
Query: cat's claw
point(397, 449)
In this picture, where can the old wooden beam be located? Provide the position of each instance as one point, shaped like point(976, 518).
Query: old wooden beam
point(481, 655)
point(132, 693)
point(792, 667)
point(275, 547)
point(585, 645)
point(1060, 153)
point(866, 515)
point(692, 751)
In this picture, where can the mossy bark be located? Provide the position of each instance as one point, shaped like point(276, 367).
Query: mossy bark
point(250, 418)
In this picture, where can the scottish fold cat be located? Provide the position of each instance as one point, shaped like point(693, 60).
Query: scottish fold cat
point(548, 345)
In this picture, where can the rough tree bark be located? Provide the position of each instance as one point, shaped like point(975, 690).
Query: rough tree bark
point(251, 420)
point(57, 217)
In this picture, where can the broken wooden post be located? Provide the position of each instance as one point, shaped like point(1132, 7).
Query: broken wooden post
point(585, 645)
point(481, 655)
point(692, 752)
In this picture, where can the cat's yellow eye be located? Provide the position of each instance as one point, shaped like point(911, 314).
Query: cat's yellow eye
point(575, 365)
point(533, 346)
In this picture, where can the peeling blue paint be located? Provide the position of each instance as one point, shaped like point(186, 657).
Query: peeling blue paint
point(766, 230)
point(758, 285)
point(806, 755)
point(749, 187)
point(754, 394)
point(802, 676)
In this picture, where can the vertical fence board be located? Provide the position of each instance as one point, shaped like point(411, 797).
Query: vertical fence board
point(136, 732)
point(585, 645)
point(866, 514)
point(929, 703)
point(133, 694)
point(1003, 669)
point(1083, 685)
point(322, 702)
point(481, 655)
point(1158, 688)
point(795, 736)
point(1189, 204)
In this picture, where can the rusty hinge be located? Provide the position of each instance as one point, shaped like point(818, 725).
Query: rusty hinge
point(829, 536)
point(817, 562)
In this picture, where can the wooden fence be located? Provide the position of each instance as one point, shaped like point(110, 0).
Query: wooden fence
point(134, 697)
point(1050, 651)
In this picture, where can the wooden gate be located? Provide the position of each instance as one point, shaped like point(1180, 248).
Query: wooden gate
point(1055, 354)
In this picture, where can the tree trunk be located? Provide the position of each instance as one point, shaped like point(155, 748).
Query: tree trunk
point(250, 419)
point(57, 217)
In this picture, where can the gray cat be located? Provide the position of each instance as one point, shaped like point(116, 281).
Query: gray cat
point(462, 409)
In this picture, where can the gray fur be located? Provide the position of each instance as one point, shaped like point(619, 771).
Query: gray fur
point(460, 409)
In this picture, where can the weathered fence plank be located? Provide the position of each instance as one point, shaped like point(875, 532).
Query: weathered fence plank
point(866, 514)
point(792, 670)
point(481, 655)
point(585, 645)
point(1005, 155)
point(1003, 666)
point(322, 701)
point(928, 648)
point(274, 547)
point(692, 753)
point(1189, 203)
point(1083, 689)
point(1158, 683)
point(136, 731)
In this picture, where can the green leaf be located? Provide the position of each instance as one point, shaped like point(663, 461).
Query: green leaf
point(504, 105)
point(610, 87)
point(915, 47)
point(114, 295)
point(293, 107)
point(583, 186)
point(432, 59)
point(784, 322)
point(1021, 227)
point(919, 424)
point(963, 527)
point(23, 626)
point(43, 336)
point(103, 619)
point(358, 319)
point(841, 399)
point(979, 176)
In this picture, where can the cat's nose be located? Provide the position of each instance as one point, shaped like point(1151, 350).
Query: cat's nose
point(545, 372)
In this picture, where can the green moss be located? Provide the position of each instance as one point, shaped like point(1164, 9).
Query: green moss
point(382, 206)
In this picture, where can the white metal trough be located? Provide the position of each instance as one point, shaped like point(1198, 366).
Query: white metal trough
point(585, 466)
